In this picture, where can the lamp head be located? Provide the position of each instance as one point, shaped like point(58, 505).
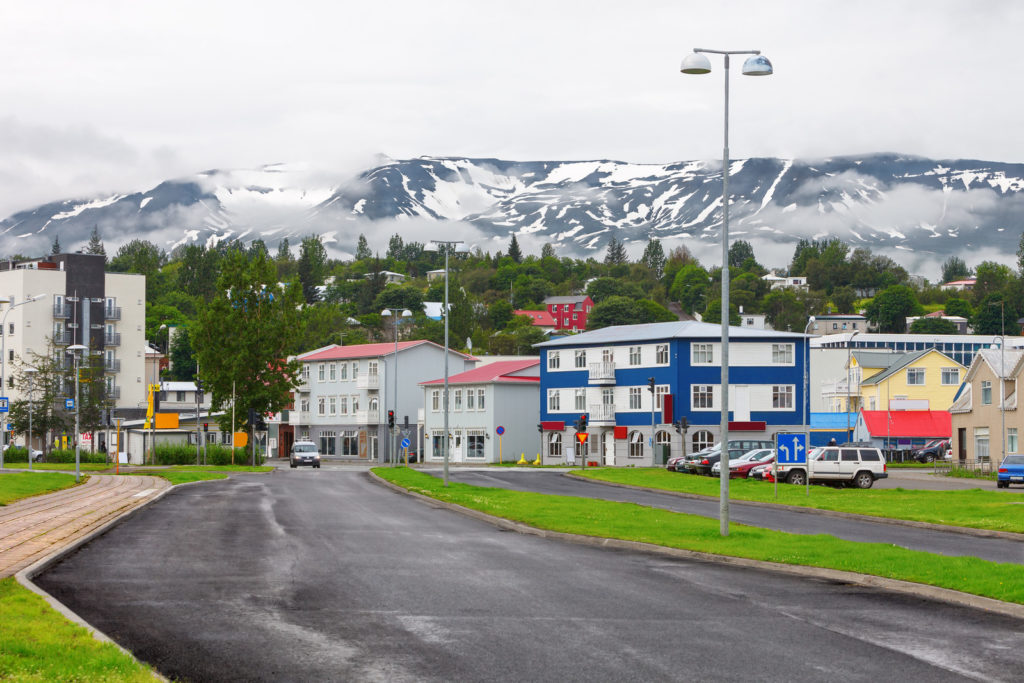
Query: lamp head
point(386, 313)
point(30, 371)
point(757, 65)
point(407, 313)
point(695, 63)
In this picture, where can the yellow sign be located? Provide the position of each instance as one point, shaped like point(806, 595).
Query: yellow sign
point(166, 420)
point(241, 439)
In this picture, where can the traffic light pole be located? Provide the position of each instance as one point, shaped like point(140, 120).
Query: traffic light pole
point(651, 388)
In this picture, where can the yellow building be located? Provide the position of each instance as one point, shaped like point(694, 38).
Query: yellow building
point(922, 380)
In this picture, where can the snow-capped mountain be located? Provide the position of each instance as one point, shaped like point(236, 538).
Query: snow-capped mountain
point(913, 209)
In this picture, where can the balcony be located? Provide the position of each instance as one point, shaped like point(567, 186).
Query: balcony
point(111, 312)
point(62, 310)
point(370, 382)
point(112, 365)
point(298, 417)
point(368, 417)
point(62, 339)
point(114, 392)
point(602, 412)
point(112, 339)
point(602, 373)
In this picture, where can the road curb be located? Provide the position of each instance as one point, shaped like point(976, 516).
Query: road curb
point(946, 595)
point(966, 531)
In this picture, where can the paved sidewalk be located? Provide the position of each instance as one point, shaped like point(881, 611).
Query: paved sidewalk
point(33, 528)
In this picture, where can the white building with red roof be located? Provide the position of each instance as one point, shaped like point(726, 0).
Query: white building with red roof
point(503, 396)
point(345, 393)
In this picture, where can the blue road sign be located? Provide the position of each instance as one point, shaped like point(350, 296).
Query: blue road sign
point(405, 443)
point(791, 449)
point(69, 404)
point(500, 430)
point(3, 404)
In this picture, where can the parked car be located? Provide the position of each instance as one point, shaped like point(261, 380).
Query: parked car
point(305, 453)
point(761, 471)
point(859, 467)
point(704, 465)
point(936, 449)
point(743, 463)
point(37, 455)
point(1011, 471)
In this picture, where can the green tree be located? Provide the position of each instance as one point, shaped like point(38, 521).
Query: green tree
point(199, 270)
point(891, 307)
point(621, 310)
point(312, 267)
point(616, 254)
point(843, 298)
point(243, 337)
point(514, 252)
point(399, 296)
point(740, 252)
point(933, 326)
point(990, 278)
point(954, 269)
point(286, 266)
point(363, 249)
point(547, 251)
point(604, 287)
point(958, 306)
point(690, 288)
point(47, 396)
point(654, 257)
point(784, 311)
point(994, 315)
point(95, 245)
point(713, 313)
point(499, 314)
point(182, 357)
point(138, 256)
point(55, 245)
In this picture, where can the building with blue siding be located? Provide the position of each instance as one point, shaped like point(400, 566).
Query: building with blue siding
point(606, 374)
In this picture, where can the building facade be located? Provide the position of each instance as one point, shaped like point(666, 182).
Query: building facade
point(979, 415)
point(607, 374)
point(569, 312)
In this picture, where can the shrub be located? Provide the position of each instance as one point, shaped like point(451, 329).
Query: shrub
point(67, 455)
point(185, 454)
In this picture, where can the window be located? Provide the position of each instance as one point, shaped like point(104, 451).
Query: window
point(555, 444)
point(373, 405)
point(321, 406)
point(553, 360)
point(663, 438)
point(634, 355)
point(659, 391)
point(10, 328)
point(458, 399)
point(321, 371)
point(986, 392)
point(661, 354)
point(782, 396)
point(915, 376)
point(179, 396)
point(950, 376)
point(475, 443)
point(581, 358)
point(304, 405)
point(1011, 439)
point(636, 444)
point(554, 404)
point(305, 372)
point(470, 399)
point(580, 404)
point(355, 403)
point(702, 396)
point(607, 396)
point(435, 400)
point(437, 443)
point(343, 405)
point(332, 405)
point(635, 398)
point(782, 354)
point(480, 393)
point(349, 443)
point(334, 371)
point(703, 354)
point(371, 368)
point(355, 370)
point(981, 443)
point(343, 372)
point(328, 444)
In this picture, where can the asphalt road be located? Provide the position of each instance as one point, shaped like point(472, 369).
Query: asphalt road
point(781, 519)
point(323, 575)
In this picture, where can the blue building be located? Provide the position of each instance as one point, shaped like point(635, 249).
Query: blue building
point(606, 374)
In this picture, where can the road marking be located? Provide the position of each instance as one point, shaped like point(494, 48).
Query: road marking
point(144, 492)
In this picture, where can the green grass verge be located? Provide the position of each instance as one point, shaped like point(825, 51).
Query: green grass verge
point(631, 522)
point(38, 644)
point(17, 485)
point(973, 508)
point(963, 473)
point(184, 474)
point(67, 466)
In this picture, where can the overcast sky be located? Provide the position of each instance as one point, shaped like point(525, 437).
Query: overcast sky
point(103, 95)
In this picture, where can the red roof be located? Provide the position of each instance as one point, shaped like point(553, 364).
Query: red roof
point(928, 424)
point(540, 318)
point(499, 371)
point(335, 352)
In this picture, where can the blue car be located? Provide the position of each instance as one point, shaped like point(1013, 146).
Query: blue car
point(1011, 471)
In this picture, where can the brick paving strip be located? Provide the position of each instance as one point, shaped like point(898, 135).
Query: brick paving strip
point(33, 528)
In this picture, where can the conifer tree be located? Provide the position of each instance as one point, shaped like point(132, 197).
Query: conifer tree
point(654, 257)
point(363, 249)
point(55, 247)
point(95, 245)
point(514, 252)
point(616, 255)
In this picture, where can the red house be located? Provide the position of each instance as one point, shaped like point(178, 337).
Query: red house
point(569, 312)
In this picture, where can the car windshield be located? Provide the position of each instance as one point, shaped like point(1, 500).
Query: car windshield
point(1014, 460)
point(304, 448)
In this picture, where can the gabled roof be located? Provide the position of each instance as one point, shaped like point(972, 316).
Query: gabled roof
point(680, 329)
point(505, 371)
point(540, 318)
point(566, 299)
point(896, 364)
point(928, 424)
point(335, 352)
point(874, 359)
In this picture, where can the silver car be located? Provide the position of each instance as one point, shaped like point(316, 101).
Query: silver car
point(305, 453)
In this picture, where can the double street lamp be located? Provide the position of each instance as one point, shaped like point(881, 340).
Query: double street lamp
point(755, 65)
point(398, 314)
point(76, 351)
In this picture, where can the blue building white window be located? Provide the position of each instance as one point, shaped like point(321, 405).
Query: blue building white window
point(702, 354)
point(782, 396)
point(634, 355)
point(702, 397)
point(635, 398)
point(581, 359)
point(553, 361)
point(554, 402)
point(782, 354)
point(661, 354)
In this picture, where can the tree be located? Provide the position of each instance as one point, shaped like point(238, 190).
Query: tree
point(843, 299)
point(312, 267)
point(55, 245)
point(399, 296)
point(987, 318)
point(783, 310)
point(513, 250)
point(499, 314)
point(199, 269)
point(990, 278)
point(138, 256)
point(713, 313)
point(1020, 255)
point(604, 287)
point(363, 249)
point(954, 267)
point(182, 357)
point(616, 254)
point(958, 306)
point(654, 257)
point(547, 251)
point(285, 261)
point(95, 245)
point(891, 307)
point(739, 252)
point(690, 288)
point(621, 310)
point(243, 337)
point(933, 326)
point(52, 375)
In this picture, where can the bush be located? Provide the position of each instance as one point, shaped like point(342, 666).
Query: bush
point(16, 454)
point(67, 455)
point(185, 454)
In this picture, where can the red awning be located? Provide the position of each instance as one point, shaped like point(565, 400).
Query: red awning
point(914, 424)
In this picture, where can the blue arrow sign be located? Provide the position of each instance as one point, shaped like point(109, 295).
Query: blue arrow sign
point(3, 404)
point(791, 449)
point(69, 404)
point(405, 443)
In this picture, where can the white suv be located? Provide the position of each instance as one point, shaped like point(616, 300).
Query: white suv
point(845, 465)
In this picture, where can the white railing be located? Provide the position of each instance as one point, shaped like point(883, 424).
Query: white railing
point(602, 370)
point(367, 417)
point(602, 412)
point(368, 381)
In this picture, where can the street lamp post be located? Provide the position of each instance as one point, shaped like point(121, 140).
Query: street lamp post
point(3, 366)
point(849, 356)
point(397, 314)
point(446, 246)
point(31, 372)
point(75, 350)
point(1002, 375)
point(755, 65)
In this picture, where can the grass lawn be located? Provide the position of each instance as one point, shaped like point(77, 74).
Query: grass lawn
point(17, 485)
point(974, 508)
point(628, 521)
point(183, 474)
point(38, 644)
point(67, 466)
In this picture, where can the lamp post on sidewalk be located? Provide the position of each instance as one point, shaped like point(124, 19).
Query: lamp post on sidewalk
point(31, 372)
point(76, 351)
point(755, 65)
point(849, 361)
point(1002, 375)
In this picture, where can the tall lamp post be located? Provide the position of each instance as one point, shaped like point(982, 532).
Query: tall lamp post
point(755, 65)
point(849, 362)
point(31, 372)
point(3, 365)
point(76, 351)
point(398, 314)
point(1002, 375)
point(447, 246)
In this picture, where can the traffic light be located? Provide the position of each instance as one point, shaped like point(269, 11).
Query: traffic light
point(650, 384)
point(583, 423)
point(540, 427)
point(577, 425)
point(391, 419)
point(206, 426)
point(681, 425)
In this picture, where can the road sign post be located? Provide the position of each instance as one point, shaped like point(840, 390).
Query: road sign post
point(500, 431)
point(791, 449)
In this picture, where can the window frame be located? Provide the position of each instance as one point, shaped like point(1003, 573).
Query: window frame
point(783, 396)
point(580, 359)
point(554, 361)
point(945, 374)
point(702, 397)
point(702, 353)
point(554, 401)
point(986, 392)
point(635, 356)
point(783, 354)
point(636, 398)
point(661, 354)
point(915, 377)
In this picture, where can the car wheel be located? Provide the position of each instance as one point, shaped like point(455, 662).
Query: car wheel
point(1002, 484)
point(863, 480)
point(929, 458)
point(294, 465)
point(797, 478)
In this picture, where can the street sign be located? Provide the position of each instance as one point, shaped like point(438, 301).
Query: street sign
point(9, 426)
point(405, 443)
point(3, 404)
point(792, 449)
point(69, 404)
point(500, 430)
point(582, 437)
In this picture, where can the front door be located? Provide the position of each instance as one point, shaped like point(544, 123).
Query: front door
point(961, 444)
point(609, 448)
